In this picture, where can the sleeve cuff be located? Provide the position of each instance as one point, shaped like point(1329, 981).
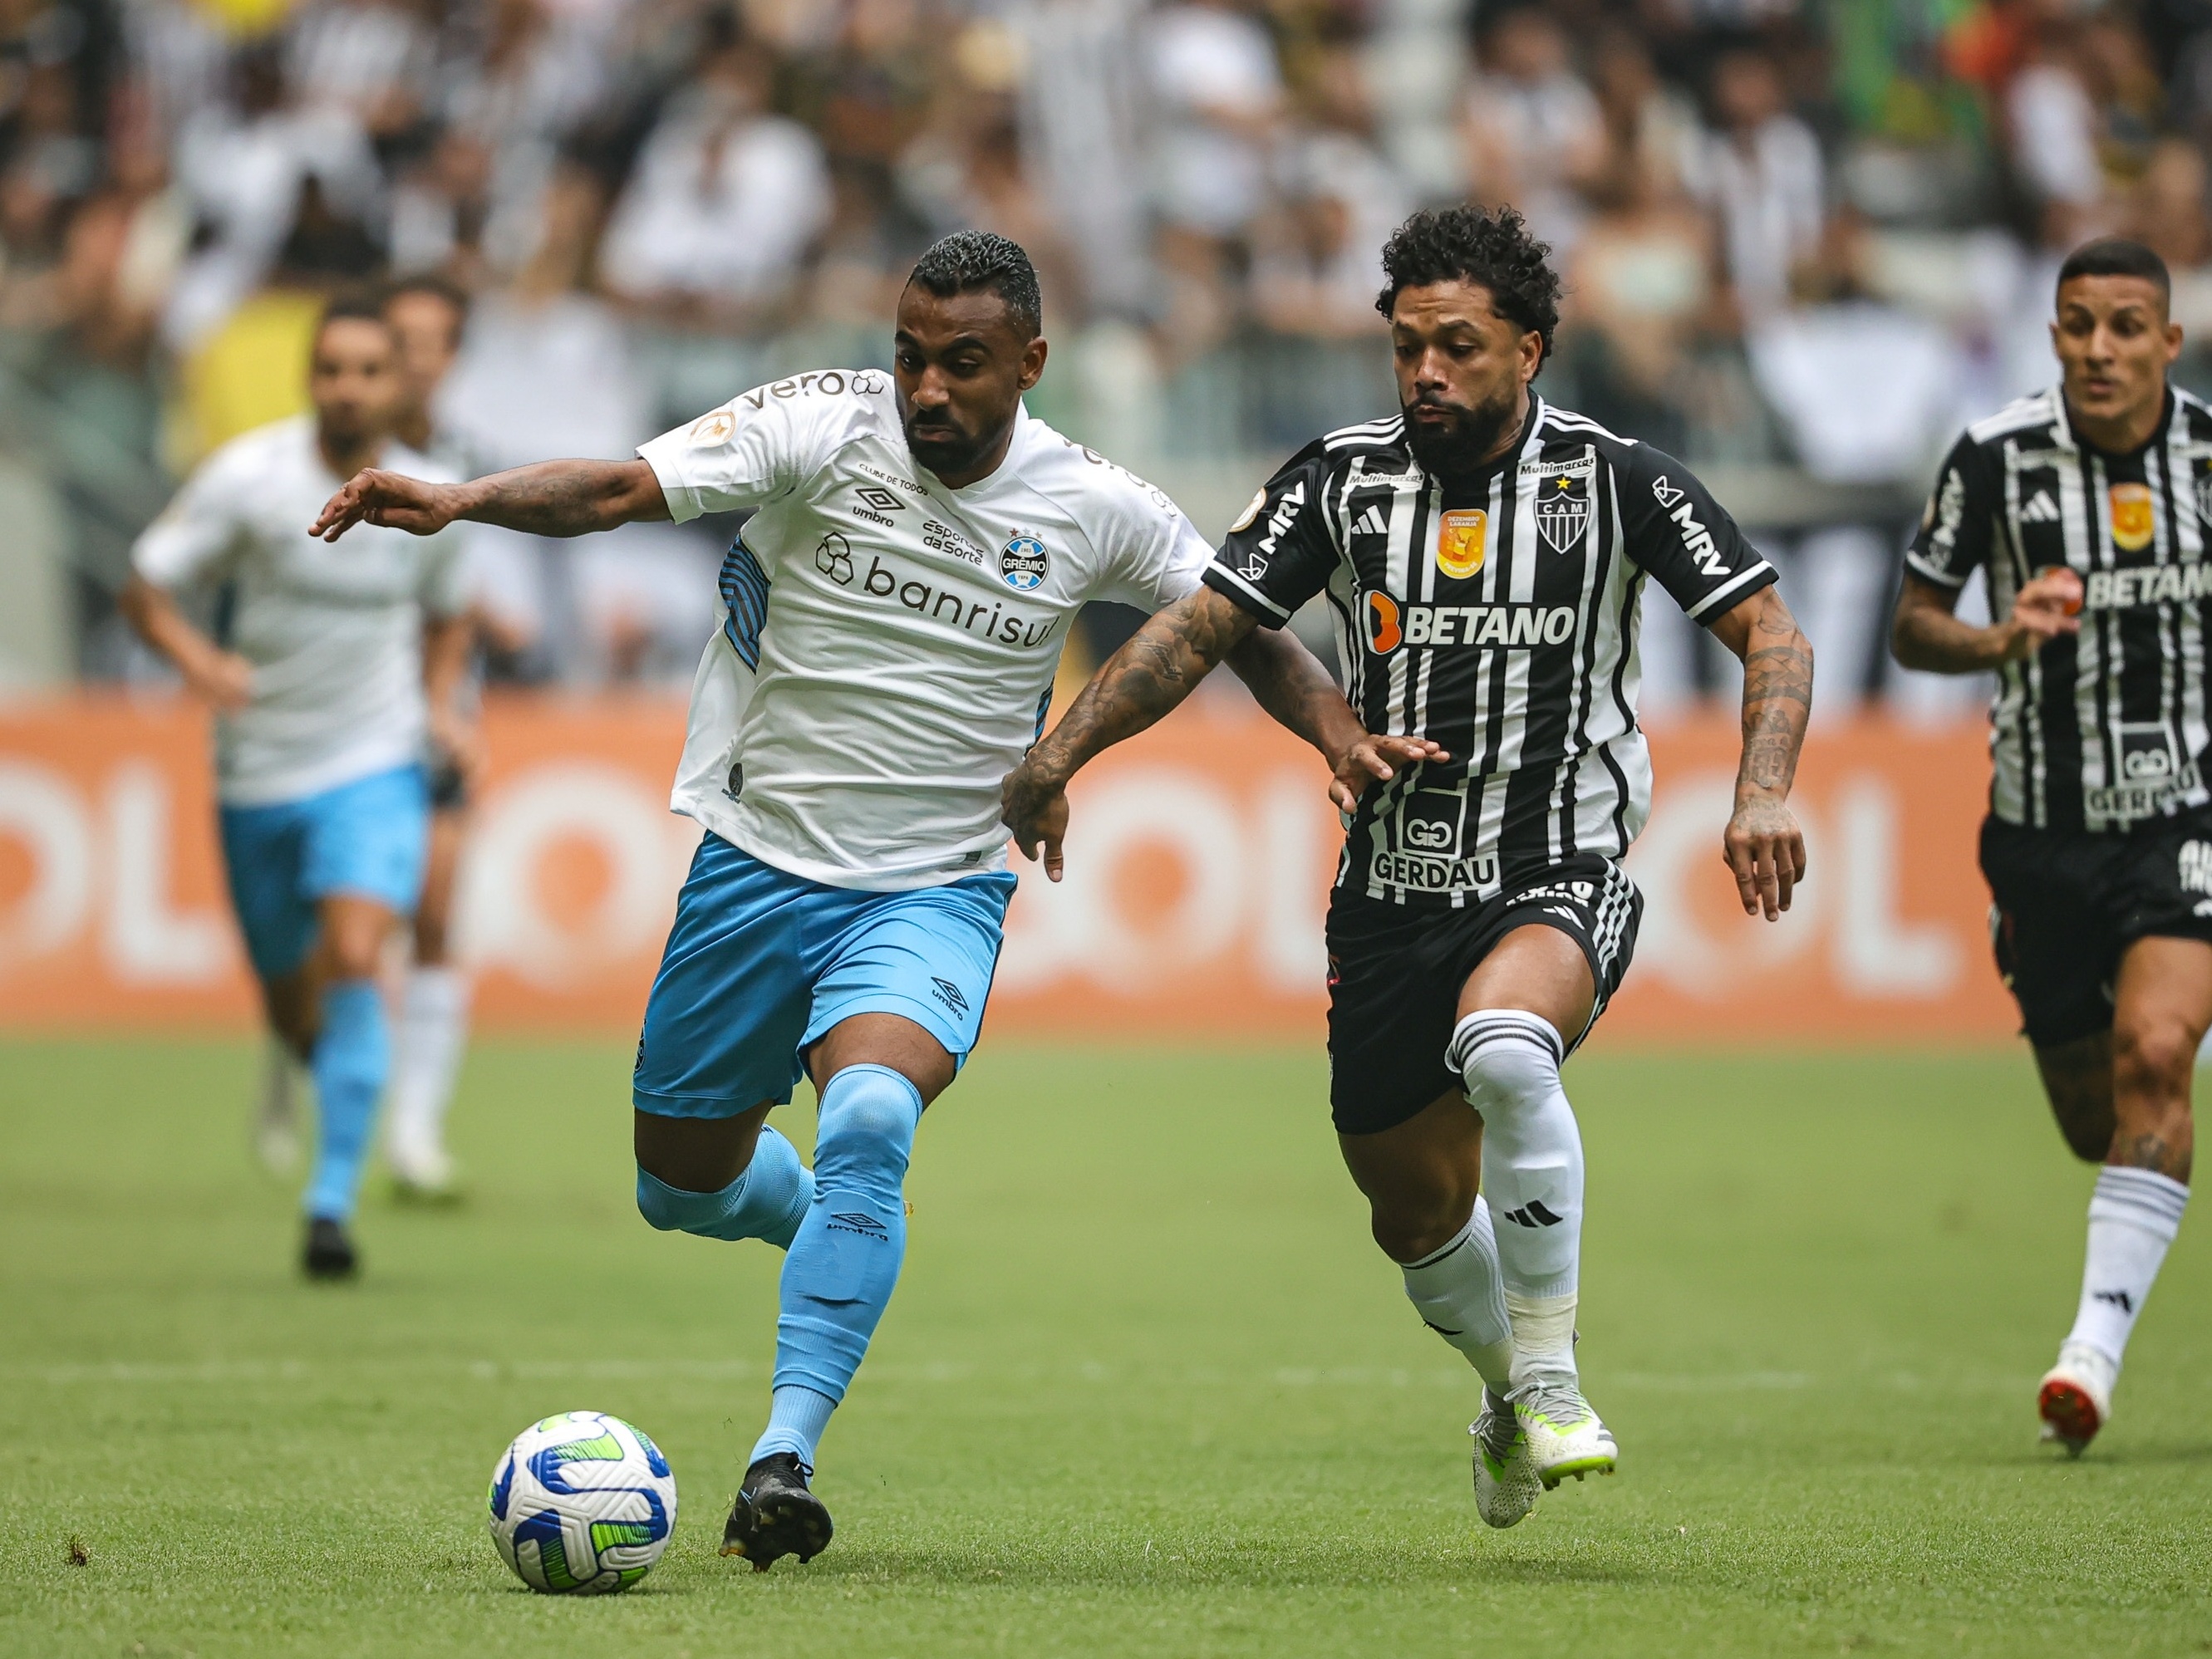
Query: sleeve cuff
point(1926, 572)
point(1223, 580)
point(1742, 587)
point(684, 504)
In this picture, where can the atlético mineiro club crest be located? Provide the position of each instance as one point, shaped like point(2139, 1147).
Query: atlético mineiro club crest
point(1022, 561)
point(1563, 510)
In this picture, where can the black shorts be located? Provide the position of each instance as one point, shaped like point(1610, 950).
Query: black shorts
point(1395, 972)
point(449, 785)
point(2067, 902)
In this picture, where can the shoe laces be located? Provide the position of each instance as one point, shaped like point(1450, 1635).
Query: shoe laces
point(1557, 1401)
point(1497, 1428)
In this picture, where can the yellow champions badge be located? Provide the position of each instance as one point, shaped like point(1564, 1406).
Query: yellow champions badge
point(1460, 539)
point(2132, 520)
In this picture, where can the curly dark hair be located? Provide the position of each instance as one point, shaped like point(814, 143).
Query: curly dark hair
point(1490, 247)
point(972, 261)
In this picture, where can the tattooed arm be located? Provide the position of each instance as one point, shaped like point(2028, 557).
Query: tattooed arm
point(1149, 676)
point(553, 498)
point(1763, 845)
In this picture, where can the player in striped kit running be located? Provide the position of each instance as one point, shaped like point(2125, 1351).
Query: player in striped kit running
point(1484, 554)
point(2085, 507)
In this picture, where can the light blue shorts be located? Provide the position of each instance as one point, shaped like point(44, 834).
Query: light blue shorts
point(369, 837)
point(761, 964)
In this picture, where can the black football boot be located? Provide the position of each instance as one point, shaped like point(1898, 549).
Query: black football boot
point(330, 1253)
point(776, 1516)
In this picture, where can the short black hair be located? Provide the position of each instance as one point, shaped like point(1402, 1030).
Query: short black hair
point(2117, 256)
point(1488, 246)
point(974, 261)
point(354, 305)
point(430, 282)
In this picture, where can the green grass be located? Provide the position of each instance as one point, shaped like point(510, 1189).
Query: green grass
point(1147, 1388)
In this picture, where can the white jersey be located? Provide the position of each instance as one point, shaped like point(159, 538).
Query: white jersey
point(334, 630)
point(890, 645)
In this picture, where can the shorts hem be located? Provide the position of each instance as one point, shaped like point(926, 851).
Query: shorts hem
point(888, 1002)
point(654, 1103)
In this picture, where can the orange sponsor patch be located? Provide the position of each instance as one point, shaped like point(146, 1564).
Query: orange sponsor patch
point(2132, 527)
point(1461, 537)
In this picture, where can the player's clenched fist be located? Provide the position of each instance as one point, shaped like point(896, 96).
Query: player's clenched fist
point(2047, 605)
point(1034, 806)
point(375, 497)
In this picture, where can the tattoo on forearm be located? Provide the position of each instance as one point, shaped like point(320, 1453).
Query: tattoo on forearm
point(1143, 681)
point(554, 498)
point(1777, 698)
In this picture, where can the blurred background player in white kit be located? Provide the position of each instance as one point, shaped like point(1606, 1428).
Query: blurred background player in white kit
point(328, 670)
point(427, 316)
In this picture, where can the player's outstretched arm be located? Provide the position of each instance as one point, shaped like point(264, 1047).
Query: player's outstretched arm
point(1926, 635)
point(553, 498)
point(1151, 675)
point(1763, 846)
point(1291, 684)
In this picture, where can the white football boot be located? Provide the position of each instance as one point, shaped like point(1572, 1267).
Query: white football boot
point(1564, 1434)
point(2074, 1399)
point(1506, 1484)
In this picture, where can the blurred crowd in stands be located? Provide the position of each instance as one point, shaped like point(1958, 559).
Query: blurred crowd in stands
point(1804, 239)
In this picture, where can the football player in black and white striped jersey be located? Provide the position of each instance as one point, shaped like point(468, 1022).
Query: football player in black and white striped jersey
point(2085, 507)
point(1484, 555)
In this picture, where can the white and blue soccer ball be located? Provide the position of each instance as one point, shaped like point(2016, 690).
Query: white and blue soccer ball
point(582, 1503)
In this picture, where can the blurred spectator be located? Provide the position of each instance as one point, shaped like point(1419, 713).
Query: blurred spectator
point(717, 220)
point(1760, 171)
point(1219, 94)
point(1534, 133)
point(365, 56)
point(2052, 125)
point(1319, 261)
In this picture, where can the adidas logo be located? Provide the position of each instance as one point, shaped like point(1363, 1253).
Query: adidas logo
point(2120, 1300)
point(2040, 509)
point(1533, 1214)
point(1371, 522)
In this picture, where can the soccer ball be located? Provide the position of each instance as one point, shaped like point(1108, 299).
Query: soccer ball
point(581, 1504)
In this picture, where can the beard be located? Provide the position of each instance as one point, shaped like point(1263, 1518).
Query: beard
point(941, 447)
point(1458, 446)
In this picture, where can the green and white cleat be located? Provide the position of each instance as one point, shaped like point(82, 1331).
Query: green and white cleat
point(1564, 1434)
point(1506, 1484)
point(2074, 1399)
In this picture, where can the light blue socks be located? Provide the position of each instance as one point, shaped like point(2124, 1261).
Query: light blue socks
point(845, 1258)
point(767, 1201)
point(351, 1059)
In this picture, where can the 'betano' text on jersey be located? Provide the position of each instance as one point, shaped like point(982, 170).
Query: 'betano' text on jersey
point(2104, 729)
point(891, 644)
point(1496, 614)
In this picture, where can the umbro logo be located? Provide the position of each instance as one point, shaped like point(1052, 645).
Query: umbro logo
point(949, 993)
point(1533, 1214)
point(1371, 522)
point(2040, 509)
point(858, 1221)
point(2120, 1300)
point(881, 499)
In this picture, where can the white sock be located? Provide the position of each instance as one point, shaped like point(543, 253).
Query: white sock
point(1532, 1173)
point(1458, 1294)
point(2133, 1217)
point(434, 1020)
point(280, 1085)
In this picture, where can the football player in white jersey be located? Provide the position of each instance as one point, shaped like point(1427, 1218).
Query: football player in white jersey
point(896, 608)
point(332, 667)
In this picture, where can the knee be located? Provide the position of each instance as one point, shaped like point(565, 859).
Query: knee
point(353, 953)
point(869, 1116)
point(662, 1204)
point(1502, 1066)
point(1412, 1225)
point(2154, 1058)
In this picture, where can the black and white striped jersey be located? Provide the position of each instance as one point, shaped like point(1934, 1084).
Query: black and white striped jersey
point(1496, 614)
point(2107, 728)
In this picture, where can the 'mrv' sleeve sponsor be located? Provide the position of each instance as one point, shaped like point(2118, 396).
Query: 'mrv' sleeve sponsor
point(755, 448)
point(198, 533)
point(1955, 532)
point(1279, 553)
point(1684, 537)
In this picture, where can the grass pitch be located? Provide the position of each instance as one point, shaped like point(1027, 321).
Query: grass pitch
point(1147, 1388)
